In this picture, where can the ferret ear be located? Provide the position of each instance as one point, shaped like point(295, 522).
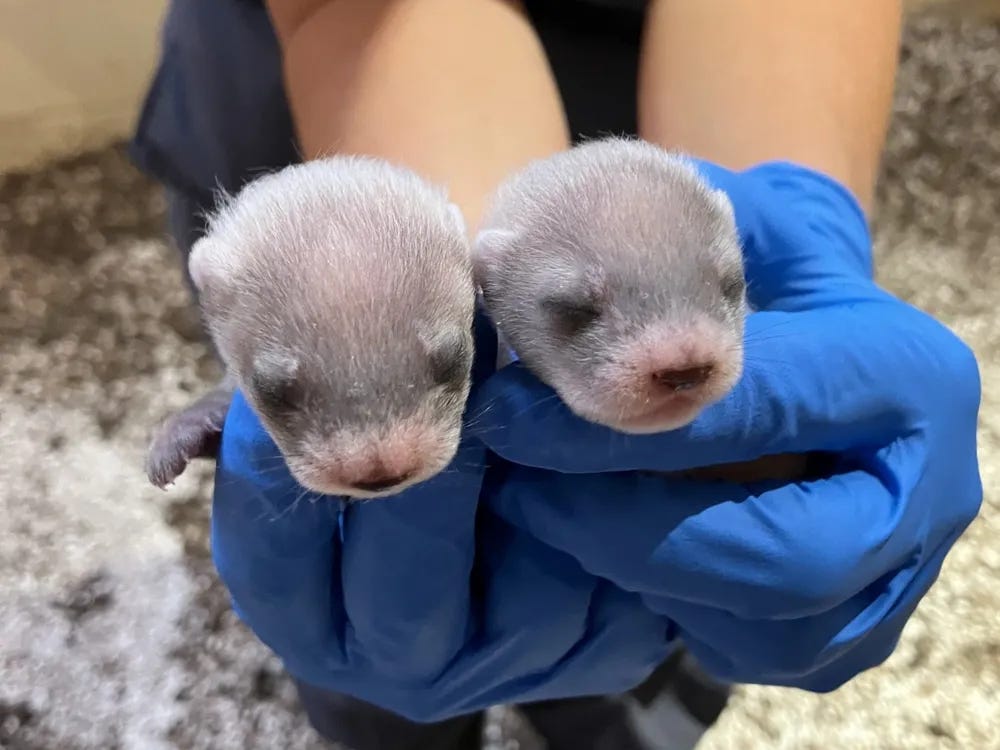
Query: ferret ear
point(458, 219)
point(275, 364)
point(204, 265)
point(488, 249)
point(724, 205)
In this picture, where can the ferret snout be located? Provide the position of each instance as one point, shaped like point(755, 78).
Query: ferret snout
point(678, 359)
point(669, 378)
point(664, 377)
point(375, 463)
point(381, 479)
point(380, 468)
point(684, 378)
point(374, 467)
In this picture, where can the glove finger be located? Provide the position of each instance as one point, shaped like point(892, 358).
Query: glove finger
point(819, 652)
point(531, 607)
point(275, 546)
point(407, 560)
point(622, 645)
point(812, 382)
point(542, 627)
point(783, 552)
point(406, 567)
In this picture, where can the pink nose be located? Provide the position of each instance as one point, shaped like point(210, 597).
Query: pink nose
point(683, 379)
point(380, 480)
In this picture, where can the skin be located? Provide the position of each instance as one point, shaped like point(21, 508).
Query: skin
point(339, 295)
point(469, 101)
point(809, 82)
point(462, 102)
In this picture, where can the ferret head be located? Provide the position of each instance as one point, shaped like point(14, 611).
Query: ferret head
point(616, 275)
point(340, 295)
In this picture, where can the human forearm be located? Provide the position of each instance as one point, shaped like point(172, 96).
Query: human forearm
point(809, 82)
point(463, 100)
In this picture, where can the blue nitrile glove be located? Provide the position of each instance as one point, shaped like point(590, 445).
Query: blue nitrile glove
point(386, 601)
point(802, 584)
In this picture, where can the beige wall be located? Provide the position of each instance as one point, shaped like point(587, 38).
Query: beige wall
point(72, 74)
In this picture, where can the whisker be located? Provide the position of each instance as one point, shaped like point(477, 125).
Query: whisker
point(768, 361)
point(472, 418)
point(761, 340)
point(291, 507)
point(540, 402)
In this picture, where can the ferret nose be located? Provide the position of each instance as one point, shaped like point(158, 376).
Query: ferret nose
point(683, 379)
point(378, 481)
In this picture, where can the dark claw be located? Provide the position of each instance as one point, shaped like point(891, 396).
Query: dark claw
point(195, 432)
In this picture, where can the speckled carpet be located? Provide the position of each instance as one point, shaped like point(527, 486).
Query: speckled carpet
point(114, 632)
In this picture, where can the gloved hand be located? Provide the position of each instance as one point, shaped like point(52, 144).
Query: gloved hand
point(803, 584)
point(413, 603)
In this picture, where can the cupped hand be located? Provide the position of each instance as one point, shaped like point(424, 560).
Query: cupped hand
point(425, 603)
point(800, 583)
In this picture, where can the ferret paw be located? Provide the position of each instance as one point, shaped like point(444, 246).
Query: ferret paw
point(194, 433)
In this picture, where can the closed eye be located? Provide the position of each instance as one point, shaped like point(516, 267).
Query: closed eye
point(733, 287)
point(448, 372)
point(449, 363)
point(571, 316)
point(277, 393)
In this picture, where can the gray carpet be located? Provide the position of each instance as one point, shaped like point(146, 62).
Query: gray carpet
point(114, 632)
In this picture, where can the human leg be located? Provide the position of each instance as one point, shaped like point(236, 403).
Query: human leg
point(807, 82)
point(362, 726)
point(671, 710)
point(463, 101)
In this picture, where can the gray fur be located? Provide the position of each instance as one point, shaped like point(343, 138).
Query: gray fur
point(193, 432)
point(338, 292)
point(626, 227)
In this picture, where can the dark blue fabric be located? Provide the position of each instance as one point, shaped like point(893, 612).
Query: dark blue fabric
point(216, 113)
